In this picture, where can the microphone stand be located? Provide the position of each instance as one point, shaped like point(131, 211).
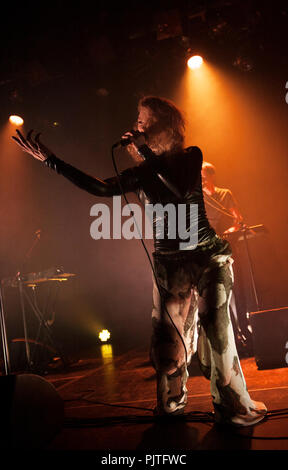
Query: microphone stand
point(250, 264)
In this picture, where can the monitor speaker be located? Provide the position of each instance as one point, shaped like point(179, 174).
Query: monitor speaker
point(270, 337)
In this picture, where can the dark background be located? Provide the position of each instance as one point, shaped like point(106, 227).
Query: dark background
point(75, 72)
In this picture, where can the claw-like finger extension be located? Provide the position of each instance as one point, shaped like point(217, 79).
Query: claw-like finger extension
point(29, 134)
point(37, 138)
point(30, 145)
point(18, 141)
point(21, 136)
point(26, 142)
point(29, 141)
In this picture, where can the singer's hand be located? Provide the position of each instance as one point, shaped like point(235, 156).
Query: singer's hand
point(137, 138)
point(32, 146)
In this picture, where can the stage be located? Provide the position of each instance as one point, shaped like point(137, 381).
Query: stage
point(109, 401)
point(115, 120)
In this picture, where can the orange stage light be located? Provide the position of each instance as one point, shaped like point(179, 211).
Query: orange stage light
point(16, 120)
point(195, 62)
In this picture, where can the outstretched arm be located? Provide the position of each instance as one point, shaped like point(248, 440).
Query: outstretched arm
point(110, 187)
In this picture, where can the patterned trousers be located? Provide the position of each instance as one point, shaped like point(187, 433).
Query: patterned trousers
point(195, 291)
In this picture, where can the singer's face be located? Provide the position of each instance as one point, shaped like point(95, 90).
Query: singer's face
point(145, 119)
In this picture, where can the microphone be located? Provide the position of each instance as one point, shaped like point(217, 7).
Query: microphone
point(127, 141)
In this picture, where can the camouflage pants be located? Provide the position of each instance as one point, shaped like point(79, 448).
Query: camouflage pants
point(196, 290)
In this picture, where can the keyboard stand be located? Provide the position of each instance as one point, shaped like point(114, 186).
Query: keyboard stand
point(24, 296)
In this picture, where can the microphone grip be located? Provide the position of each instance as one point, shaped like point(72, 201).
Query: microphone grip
point(125, 142)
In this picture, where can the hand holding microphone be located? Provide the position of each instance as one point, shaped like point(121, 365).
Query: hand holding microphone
point(132, 137)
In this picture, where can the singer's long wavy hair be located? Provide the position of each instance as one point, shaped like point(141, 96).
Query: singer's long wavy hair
point(167, 130)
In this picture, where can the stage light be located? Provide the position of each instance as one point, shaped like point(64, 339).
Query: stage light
point(104, 335)
point(16, 120)
point(195, 62)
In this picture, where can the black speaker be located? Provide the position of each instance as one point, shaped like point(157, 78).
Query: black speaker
point(270, 337)
point(31, 412)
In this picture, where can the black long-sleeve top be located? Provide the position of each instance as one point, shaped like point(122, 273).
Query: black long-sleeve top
point(165, 179)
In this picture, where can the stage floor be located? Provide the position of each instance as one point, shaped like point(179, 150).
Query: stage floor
point(109, 401)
